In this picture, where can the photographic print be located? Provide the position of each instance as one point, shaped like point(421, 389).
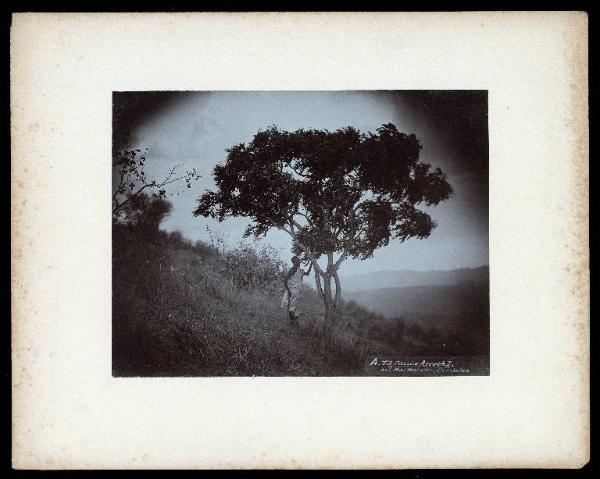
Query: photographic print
point(254, 240)
point(282, 233)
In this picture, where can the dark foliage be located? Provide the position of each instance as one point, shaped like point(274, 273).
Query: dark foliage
point(339, 192)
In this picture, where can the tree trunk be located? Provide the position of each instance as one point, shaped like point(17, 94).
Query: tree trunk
point(318, 281)
point(330, 304)
point(323, 281)
point(338, 290)
point(328, 300)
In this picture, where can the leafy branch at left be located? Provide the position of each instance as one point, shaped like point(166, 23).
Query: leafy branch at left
point(133, 183)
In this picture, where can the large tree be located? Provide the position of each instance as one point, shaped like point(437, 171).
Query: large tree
point(337, 194)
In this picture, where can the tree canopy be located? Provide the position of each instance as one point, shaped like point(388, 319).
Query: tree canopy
point(339, 191)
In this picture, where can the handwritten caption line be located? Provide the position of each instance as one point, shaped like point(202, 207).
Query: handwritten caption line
point(417, 366)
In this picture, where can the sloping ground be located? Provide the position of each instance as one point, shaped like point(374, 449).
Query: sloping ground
point(175, 314)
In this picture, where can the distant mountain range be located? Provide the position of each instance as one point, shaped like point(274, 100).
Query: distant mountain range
point(463, 298)
point(455, 303)
point(408, 279)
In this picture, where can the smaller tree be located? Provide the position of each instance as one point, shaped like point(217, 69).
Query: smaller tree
point(131, 182)
point(146, 213)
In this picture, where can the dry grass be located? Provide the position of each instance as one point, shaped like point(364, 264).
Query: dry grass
point(177, 312)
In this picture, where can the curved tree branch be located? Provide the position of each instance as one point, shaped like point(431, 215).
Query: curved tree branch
point(310, 255)
point(297, 172)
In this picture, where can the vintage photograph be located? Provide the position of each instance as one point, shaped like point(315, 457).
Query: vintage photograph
point(300, 233)
point(324, 240)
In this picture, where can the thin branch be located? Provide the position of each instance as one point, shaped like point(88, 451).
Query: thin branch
point(297, 172)
point(340, 260)
point(352, 177)
point(350, 243)
point(283, 228)
point(153, 184)
point(305, 217)
point(132, 195)
point(358, 205)
point(171, 181)
point(318, 282)
point(293, 223)
point(121, 183)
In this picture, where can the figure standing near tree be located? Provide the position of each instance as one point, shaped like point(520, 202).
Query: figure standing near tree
point(293, 288)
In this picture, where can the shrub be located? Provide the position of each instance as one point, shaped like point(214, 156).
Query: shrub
point(250, 268)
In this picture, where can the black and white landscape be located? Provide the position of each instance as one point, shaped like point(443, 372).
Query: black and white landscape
point(381, 196)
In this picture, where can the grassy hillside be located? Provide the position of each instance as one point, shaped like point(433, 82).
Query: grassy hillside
point(183, 310)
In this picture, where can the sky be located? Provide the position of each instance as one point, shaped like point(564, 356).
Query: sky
point(195, 128)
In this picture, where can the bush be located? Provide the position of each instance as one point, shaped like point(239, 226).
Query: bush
point(249, 268)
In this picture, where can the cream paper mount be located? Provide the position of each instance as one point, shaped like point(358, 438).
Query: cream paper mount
point(70, 412)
